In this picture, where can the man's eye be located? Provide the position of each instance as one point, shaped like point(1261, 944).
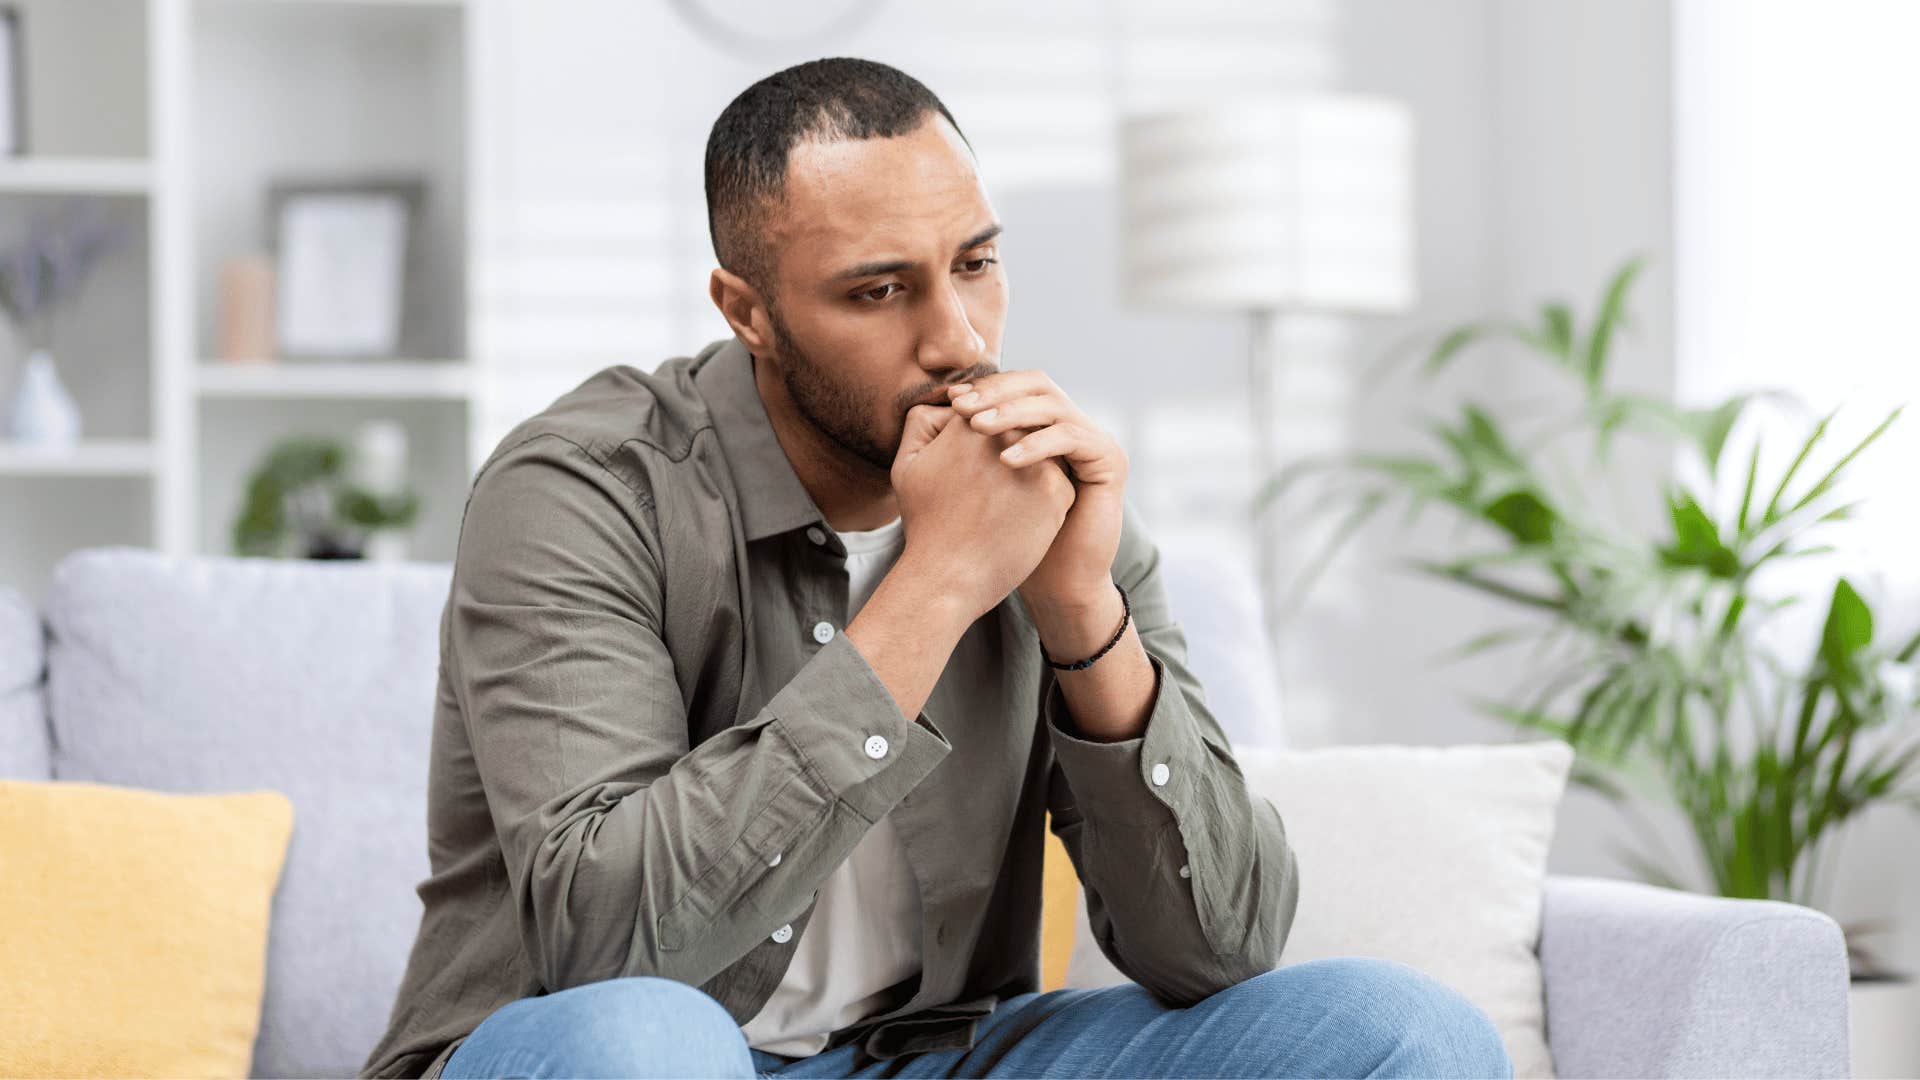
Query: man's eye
point(878, 293)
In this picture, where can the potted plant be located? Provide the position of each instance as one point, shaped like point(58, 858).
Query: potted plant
point(305, 500)
point(1653, 658)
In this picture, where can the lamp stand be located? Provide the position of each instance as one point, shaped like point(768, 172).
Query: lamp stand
point(1262, 356)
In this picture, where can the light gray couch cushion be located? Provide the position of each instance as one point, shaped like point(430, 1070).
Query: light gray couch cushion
point(23, 713)
point(311, 678)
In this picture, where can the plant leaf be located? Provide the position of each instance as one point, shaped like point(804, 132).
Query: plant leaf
point(1696, 540)
point(1770, 514)
point(1451, 343)
point(1826, 482)
point(1612, 309)
point(1848, 630)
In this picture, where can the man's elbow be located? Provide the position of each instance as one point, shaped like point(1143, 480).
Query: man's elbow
point(1199, 978)
point(1261, 947)
point(569, 928)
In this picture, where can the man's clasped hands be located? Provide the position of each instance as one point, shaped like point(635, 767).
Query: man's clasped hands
point(1011, 473)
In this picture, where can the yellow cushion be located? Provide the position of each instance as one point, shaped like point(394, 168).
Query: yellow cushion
point(133, 928)
point(1059, 903)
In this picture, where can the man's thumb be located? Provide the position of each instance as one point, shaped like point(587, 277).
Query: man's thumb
point(923, 423)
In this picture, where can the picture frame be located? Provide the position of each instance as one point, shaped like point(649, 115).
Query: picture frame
point(13, 83)
point(344, 265)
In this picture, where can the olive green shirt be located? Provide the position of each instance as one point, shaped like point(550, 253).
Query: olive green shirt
point(652, 743)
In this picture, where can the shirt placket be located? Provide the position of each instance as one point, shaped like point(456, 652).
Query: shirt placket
point(822, 613)
point(813, 610)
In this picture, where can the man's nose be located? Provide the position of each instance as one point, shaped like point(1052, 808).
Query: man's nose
point(949, 342)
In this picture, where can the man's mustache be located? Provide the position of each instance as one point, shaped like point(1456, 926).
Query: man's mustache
point(938, 394)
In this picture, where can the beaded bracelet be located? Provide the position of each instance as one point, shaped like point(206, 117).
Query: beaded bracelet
point(1126, 612)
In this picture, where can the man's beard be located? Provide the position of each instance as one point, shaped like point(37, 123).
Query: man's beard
point(841, 417)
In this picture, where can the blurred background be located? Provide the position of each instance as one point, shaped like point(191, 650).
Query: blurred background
point(278, 274)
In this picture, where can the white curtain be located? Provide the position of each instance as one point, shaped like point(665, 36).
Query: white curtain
point(1797, 235)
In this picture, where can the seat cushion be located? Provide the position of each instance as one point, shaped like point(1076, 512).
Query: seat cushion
point(23, 714)
point(136, 927)
point(315, 679)
point(1435, 856)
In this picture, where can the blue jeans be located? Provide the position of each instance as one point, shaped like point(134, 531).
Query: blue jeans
point(1341, 1016)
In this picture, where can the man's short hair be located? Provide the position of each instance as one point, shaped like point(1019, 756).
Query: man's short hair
point(828, 100)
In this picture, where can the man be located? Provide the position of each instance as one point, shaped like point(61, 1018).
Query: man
point(759, 673)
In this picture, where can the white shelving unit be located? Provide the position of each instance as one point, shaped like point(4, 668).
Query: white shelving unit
point(93, 457)
point(182, 113)
point(78, 176)
point(372, 380)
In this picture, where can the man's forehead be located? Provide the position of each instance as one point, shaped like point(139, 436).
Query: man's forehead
point(849, 194)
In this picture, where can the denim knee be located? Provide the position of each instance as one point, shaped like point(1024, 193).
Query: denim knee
point(639, 1026)
point(1400, 1020)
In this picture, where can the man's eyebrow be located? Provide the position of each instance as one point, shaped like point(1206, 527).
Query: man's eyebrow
point(894, 266)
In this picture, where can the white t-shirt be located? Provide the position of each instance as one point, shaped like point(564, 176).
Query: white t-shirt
point(864, 934)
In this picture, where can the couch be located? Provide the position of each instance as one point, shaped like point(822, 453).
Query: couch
point(316, 679)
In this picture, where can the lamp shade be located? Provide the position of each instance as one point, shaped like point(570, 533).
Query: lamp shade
point(1281, 203)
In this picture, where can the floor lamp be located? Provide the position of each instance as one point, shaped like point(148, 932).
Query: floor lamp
point(1265, 207)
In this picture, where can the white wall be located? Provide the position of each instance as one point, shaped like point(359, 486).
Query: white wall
point(1544, 161)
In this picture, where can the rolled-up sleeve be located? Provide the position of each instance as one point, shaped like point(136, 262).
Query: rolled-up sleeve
point(627, 851)
point(1190, 881)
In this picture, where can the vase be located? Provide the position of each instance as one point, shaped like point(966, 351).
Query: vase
point(42, 412)
point(388, 545)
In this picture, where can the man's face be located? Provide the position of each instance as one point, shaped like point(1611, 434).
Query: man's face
point(889, 283)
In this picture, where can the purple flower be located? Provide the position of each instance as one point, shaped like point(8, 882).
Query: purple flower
point(52, 262)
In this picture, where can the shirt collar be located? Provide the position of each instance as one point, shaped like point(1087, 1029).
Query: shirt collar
point(772, 499)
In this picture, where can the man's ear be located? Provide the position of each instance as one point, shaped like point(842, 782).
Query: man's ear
point(743, 308)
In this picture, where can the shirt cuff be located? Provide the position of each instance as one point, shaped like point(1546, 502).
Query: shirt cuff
point(851, 732)
point(1145, 780)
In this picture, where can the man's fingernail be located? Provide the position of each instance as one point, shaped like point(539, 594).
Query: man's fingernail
point(960, 389)
point(1013, 451)
point(987, 414)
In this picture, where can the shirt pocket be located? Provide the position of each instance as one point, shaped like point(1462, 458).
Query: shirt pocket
point(761, 848)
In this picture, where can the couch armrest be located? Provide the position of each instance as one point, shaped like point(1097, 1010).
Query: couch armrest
point(1645, 981)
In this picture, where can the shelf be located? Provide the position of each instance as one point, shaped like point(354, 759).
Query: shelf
point(339, 3)
point(97, 176)
point(90, 457)
point(370, 380)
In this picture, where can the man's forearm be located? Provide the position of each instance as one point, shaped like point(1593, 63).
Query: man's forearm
point(907, 630)
point(1110, 700)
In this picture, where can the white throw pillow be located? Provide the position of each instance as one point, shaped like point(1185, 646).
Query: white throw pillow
point(1433, 856)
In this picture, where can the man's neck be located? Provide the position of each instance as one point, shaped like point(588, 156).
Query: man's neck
point(846, 488)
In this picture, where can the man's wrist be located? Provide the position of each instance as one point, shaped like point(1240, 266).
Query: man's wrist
point(1076, 627)
point(930, 593)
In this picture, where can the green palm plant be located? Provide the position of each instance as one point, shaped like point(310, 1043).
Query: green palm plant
point(1651, 647)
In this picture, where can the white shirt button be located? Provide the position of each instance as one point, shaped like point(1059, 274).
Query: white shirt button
point(1160, 774)
point(784, 934)
point(775, 861)
point(814, 534)
point(823, 631)
point(876, 746)
point(1184, 872)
